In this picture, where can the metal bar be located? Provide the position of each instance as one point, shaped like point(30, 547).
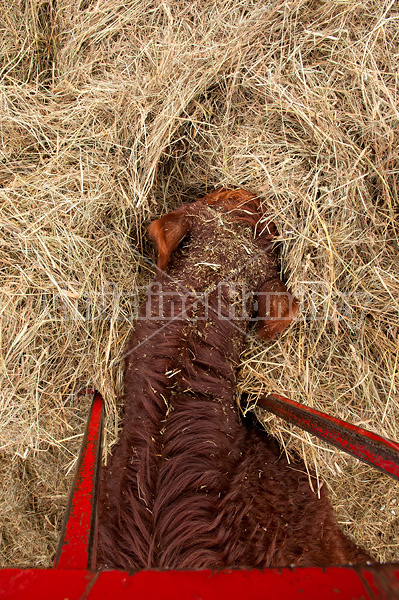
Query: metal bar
point(381, 453)
point(78, 541)
point(307, 583)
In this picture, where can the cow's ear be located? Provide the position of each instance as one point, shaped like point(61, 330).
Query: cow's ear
point(277, 308)
point(167, 233)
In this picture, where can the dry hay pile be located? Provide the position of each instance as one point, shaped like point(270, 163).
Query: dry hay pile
point(114, 112)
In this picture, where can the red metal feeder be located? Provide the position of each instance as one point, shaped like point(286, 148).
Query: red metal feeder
point(74, 576)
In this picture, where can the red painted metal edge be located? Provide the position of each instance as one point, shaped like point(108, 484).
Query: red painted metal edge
point(77, 546)
point(333, 583)
point(368, 447)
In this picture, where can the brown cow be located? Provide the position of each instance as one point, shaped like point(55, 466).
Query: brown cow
point(189, 485)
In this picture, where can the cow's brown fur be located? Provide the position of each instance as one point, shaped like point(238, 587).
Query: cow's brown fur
point(189, 485)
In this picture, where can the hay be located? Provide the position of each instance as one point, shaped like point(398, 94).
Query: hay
point(112, 113)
